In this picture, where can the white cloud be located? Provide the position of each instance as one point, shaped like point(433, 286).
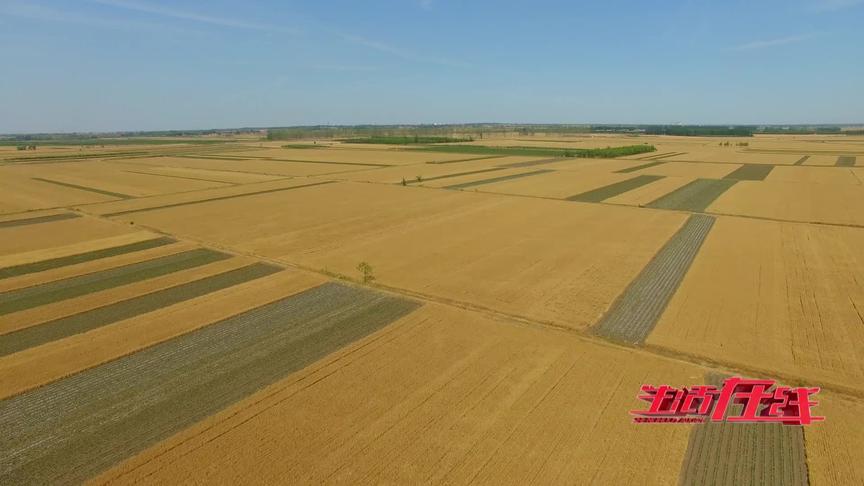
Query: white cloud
point(153, 9)
point(833, 5)
point(780, 41)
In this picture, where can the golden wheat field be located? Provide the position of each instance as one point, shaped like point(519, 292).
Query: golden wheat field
point(487, 311)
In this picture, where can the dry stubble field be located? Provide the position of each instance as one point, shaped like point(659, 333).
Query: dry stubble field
point(185, 313)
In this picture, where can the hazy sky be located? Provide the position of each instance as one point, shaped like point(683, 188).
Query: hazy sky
point(157, 64)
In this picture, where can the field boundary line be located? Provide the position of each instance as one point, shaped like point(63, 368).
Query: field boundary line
point(85, 188)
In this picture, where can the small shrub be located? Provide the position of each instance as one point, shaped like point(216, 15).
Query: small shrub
point(366, 272)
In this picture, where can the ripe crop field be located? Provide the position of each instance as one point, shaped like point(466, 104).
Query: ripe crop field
point(317, 312)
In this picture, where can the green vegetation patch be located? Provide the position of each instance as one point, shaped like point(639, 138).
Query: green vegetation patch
point(750, 172)
point(695, 196)
point(38, 220)
point(70, 430)
point(845, 161)
point(599, 153)
point(612, 190)
point(493, 180)
point(405, 140)
point(302, 146)
point(41, 266)
point(78, 323)
point(84, 188)
point(48, 293)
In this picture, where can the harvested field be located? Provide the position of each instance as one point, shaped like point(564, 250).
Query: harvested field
point(34, 367)
point(74, 259)
point(734, 453)
point(845, 161)
point(492, 180)
point(38, 315)
point(641, 196)
point(695, 196)
point(615, 189)
point(102, 316)
point(443, 395)
point(37, 220)
point(27, 298)
point(640, 167)
point(791, 289)
point(96, 418)
point(750, 172)
point(544, 252)
point(635, 313)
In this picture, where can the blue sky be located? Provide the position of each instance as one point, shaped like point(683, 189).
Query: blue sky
point(101, 65)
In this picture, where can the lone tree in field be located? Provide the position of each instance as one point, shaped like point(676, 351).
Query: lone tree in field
point(419, 178)
point(366, 270)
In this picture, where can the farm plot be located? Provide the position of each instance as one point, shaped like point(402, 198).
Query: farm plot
point(198, 197)
point(650, 192)
point(30, 297)
point(845, 161)
point(780, 298)
point(730, 453)
point(691, 169)
point(821, 160)
point(695, 196)
point(253, 167)
point(108, 179)
point(635, 312)
point(727, 155)
point(813, 175)
point(517, 255)
point(50, 323)
point(76, 257)
point(834, 446)
point(556, 184)
point(100, 416)
point(212, 175)
point(18, 194)
point(33, 367)
point(790, 201)
point(25, 220)
point(356, 156)
point(440, 396)
point(428, 172)
point(614, 189)
point(750, 172)
point(35, 237)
